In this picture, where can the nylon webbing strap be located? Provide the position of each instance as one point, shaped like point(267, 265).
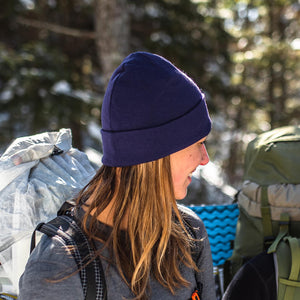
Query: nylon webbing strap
point(289, 282)
point(292, 282)
point(266, 216)
point(283, 231)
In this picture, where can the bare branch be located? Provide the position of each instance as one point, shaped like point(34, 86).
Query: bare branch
point(57, 28)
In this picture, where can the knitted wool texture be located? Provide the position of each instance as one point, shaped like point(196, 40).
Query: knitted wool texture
point(150, 110)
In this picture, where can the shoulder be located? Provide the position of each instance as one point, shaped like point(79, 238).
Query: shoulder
point(255, 280)
point(193, 220)
point(261, 266)
point(52, 254)
point(50, 271)
point(196, 228)
point(187, 213)
point(50, 246)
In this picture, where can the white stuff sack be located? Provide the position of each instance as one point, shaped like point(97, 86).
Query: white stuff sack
point(37, 174)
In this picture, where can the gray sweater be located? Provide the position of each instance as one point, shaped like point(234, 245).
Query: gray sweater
point(50, 259)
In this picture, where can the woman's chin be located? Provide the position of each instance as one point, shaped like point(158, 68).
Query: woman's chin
point(180, 196)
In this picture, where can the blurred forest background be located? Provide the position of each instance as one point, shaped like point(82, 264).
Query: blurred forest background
point(57, 56)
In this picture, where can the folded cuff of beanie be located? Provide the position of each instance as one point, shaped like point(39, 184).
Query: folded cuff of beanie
point(126, 148)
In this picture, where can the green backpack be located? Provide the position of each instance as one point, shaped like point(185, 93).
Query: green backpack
point(269, 200)
point(287, 261)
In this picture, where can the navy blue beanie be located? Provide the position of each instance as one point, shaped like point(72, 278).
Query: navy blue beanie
point(150, 110)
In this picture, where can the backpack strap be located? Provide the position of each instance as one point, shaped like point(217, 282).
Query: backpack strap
point(289, 281)
point(266, 218)
point(287, 249)
point(90, 267)
point(283, 231)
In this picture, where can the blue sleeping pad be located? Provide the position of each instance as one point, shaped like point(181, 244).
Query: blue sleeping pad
point(220, 222)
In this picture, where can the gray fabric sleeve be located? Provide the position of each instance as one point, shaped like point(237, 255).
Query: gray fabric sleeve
point(49, 273)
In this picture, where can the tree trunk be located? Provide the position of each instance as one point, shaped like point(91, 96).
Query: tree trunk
point(277, 80)
point(112, 34)
point(271, 82)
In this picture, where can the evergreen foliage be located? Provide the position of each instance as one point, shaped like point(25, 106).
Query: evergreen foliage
point(245, 54)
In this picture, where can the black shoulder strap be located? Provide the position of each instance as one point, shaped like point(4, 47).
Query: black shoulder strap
point(90, 268)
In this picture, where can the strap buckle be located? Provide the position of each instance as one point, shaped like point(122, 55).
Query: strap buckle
point(195, 295)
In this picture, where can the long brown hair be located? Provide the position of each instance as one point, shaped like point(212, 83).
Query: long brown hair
point(158, 240)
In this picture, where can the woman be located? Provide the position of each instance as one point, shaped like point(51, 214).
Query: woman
point(154, 124)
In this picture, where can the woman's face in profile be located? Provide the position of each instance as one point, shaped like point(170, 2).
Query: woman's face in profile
point(184, 163)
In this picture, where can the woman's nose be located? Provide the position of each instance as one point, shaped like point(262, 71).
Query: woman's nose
point(204, 155)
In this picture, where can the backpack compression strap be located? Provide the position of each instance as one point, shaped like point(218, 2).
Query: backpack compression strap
point(91, 271)
point(283, 231)
point(266, 218)
point(286, 246)
point(292, 282)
